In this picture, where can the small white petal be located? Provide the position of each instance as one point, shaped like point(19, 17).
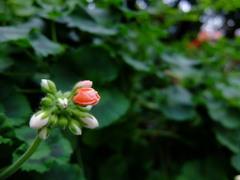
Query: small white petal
point(91, 122)
point(89, 107)
point(63, 102)
point(36, 121)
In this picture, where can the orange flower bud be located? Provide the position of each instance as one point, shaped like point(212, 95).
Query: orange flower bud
point(86, 96)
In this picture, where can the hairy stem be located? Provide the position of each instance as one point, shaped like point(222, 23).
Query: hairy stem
point(16, 165)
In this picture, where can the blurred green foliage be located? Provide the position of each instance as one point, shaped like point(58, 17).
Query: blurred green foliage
point(167, 111)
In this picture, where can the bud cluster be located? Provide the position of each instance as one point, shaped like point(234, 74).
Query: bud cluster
point(65, 110)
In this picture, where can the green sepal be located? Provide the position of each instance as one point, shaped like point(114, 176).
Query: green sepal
point(79, 113)
point(52, 87)
point(83, 109)
point(46, 114)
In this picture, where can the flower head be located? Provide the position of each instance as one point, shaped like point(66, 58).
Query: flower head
point(86, 96)
point(65, 110)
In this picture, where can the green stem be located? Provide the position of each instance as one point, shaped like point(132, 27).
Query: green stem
point(15, 166)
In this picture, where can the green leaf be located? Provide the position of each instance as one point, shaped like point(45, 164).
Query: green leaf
point(55, 149)
point(87, 62)
point(207, 169)
point(136, 64)
point(82, 20)
point(221, 112)
point(235, 161)
point(19, 32)
point(5, 140)
point(15, 105)
point(63, 172)
point(179, 60)
point(5, 62)
point(13, 33)
point(111, 107)
point(177, 103)
point(229, 138)
point(118, 170)
point(42, 45)
point(6, 130)
point(22, 7)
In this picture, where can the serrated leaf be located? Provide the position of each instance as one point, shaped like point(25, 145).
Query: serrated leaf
point(55, 149)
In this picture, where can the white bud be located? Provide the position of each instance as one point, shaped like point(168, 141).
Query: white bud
point(48, 86)
point(91, 122)
point(63, 102)
point(44, 83)
point(237, 177)
point(38, 120)
point(75, 127)
point(44, 133)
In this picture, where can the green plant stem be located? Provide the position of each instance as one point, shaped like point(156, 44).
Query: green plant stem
point(15, 166)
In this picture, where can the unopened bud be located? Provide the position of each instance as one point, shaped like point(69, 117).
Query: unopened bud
point(62, 122)
point(46, 102)
point(53, 120)
point(237, 177)
point(75, 127)
point(91, 122)
point(39, 119)
point(63, 102)
point(48, 86)
point(44, 133)
point(84, 84)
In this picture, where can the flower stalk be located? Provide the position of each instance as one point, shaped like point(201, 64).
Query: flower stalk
point(16, 165)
